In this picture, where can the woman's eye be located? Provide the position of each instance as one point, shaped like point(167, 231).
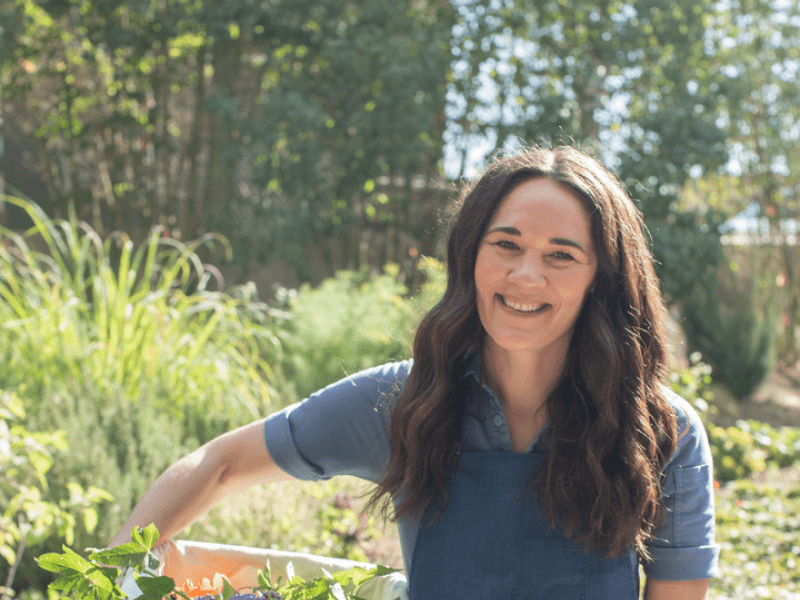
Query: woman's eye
point(506, 245)
point(566, 256)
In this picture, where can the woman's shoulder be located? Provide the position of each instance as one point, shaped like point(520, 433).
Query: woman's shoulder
point(686, 414)
point(693, 444)
point(378, 385)
point(388, 375)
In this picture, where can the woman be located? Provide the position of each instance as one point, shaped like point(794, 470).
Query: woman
point(530, 449)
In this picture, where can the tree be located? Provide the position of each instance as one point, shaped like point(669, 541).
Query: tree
point(630, 81)
point(351, 137)
point(278, 124)
point(757, 52)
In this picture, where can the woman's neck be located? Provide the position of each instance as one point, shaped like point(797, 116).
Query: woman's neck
point(522, 381)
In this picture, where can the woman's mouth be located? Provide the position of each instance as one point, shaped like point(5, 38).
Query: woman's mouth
point(524, 308)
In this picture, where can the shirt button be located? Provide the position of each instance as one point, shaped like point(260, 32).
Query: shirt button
point(498, 420)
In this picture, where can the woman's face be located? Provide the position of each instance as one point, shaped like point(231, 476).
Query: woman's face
point(534, 269)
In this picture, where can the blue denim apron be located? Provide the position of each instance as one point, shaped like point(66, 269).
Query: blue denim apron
point(492, 543)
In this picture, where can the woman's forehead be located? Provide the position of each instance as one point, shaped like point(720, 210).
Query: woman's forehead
point(546, 206)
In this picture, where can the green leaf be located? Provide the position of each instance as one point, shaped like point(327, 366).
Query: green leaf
point(124, 555)
point(155, 586)
point(147, 537)
point(90, 519)
point(72, 582)
point(40, 461)
point(69, 560)
point(227, 589)
point(7, 553)
point(263, 582)
point(76, 574)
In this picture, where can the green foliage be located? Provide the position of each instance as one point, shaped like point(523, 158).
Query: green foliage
point(347, 323)
point(433, 287)
point(336, 586)
point(692, 383)
point(95, 577)
point(141, 320)
point(757, 530)
point(343, 528)
point(351, 322)
point(686, 248)
point(31, 510)
point(362, 103)
point(326, 518)
point(271, 122)
point(130, 353)
point(741, 450)
point(629, 81)
point(752, 447)
point(724, 323)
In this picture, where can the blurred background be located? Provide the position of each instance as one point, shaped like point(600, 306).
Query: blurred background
point(212, 209)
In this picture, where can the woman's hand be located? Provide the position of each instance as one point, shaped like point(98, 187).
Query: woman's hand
point(676, 590)
point(187, 489)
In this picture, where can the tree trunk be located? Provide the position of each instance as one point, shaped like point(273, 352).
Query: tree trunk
point(219, 189)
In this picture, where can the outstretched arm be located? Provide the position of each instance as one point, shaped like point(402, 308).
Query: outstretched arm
point(190, 487)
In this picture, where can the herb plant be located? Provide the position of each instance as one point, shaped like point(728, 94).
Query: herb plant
point(97, 577)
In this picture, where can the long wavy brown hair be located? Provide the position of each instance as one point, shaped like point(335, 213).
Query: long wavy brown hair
point(612, 428)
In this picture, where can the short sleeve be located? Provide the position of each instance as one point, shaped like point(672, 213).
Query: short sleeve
point(684, 548)
point(339, 430)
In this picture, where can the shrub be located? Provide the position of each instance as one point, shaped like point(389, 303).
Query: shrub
point(350, 322)
point(129, 352)
point(140, 321)
point(750, 447)
point(32, 510)
point(724, 323)
point(741, 450)
point(692, 384)
point(122, 446)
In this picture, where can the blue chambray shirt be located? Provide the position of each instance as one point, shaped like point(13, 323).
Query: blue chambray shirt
point(343, 430)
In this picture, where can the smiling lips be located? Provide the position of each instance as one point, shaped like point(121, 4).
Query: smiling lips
point(524, 308)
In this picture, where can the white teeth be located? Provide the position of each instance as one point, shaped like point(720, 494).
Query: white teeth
point(523, 307)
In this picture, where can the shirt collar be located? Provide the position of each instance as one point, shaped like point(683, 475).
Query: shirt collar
point(472, 366)
point(483, 394)
point(481, 397)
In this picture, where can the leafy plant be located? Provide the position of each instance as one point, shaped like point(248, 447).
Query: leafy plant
point(736, 337)
point(757, 530)
point(352, 321)
point(331, 586)
point(343, 528)
point(349, 322)
point(692, 383)
point(30, 510)
point(145, 320)
point(94, 578)
point(751, 447)
point(97, 576)
point(742, 449)
point(129, 351)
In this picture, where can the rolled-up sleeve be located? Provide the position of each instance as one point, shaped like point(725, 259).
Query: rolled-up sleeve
point(340, 430)
point(684, 548)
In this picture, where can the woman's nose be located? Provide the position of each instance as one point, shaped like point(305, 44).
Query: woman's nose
point(528, 271)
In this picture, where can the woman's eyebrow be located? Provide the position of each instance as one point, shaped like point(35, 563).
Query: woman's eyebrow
point(567, 242)
point(556, 240)
point(505, 229)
